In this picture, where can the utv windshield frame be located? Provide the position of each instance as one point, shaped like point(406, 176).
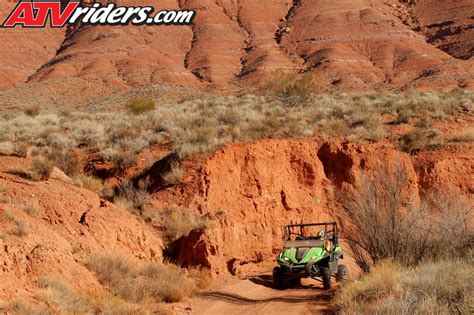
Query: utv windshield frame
point(330, 228)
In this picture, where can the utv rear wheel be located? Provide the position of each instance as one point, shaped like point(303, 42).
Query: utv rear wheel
point(342, 274)
point(326, 275)
point(278, 281)
point(296, 282)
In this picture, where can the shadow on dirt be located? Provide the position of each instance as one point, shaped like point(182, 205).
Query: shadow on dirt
point(319, 298)
point(267, 281)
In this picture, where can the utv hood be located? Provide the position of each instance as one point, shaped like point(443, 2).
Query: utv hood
point(302, 252)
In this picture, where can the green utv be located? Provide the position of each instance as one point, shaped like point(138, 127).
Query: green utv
point(309, 251)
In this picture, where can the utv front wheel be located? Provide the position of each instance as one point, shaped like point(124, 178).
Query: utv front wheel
point(326, 275)
point(342, 273)
point(278, 280)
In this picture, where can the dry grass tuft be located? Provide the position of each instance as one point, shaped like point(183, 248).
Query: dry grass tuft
point(442, 287)
point(179, 222)
point(41, 168)
point(61, 298)
point(140, 105)
point(133, 198)
point(418, 139)
point(18, 171)
point(20, 227)
point(32, 110)
point(66, 161)
point(18, 307)
point(174, 176)
point(151, 282)
point(30, 208)
point(466, 135)
point(90, 183)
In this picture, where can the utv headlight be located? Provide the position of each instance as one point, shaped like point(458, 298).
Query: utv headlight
point(286, 259)
point(314, 257)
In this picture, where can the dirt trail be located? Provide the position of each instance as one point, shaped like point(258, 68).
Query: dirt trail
point(255, 294)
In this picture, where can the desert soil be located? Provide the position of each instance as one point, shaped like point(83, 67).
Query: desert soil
point(255, 294)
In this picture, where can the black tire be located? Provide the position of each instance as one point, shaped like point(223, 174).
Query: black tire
point(278, 280)
point(342, 274)
point(326, 275)
point(296, 282)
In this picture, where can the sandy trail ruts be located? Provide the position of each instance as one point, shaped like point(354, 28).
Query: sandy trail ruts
point(255, 294)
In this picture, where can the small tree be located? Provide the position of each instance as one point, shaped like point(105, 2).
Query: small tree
point(382, 221)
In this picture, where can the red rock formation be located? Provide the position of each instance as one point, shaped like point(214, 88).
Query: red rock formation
point(252, 190)
point(69, 224)
point(347, 45)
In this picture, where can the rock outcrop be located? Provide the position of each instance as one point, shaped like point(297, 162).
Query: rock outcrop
point(347, 45)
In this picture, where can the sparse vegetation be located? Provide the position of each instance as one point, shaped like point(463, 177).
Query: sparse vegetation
point(200, 125)
point(175, 175)
point(41, 168)
point(66, 161)
point(20, 308)
point(140, 105)
point(179, 222)
point(32, 110)
point(417, 139)
point(61, 298)
point(291, 89)
point(133, 198)
point(155, 282)
point(91, 183)
point(465, 136)
point(443, 287)
point(30, 208)
point(20, 227)
point(384, 220)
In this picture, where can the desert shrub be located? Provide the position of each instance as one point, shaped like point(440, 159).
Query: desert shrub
point(66, 161)
point(179, 222)
point(60, 297)
point(336, 127)
point(201, 276)
point(18, 171)
point(451, 215)
point(18, 307)
point(30, 208)
point(442, 287)
point(133, 198)
point(383, 221)
point(466, 135)
point(20, 227)
point(152, 281)
point(41, 168)
point(32, 110)
point(291, 89)
point(140, 105)
point(116, 306)
point(121, 159)
point(174, 176)
point(403, 116)
point(417, 139)
point(90, 183)
point(14, 149)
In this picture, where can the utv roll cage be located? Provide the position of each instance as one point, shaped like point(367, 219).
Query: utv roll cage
point(330, 231)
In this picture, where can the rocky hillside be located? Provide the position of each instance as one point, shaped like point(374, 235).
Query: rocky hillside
point(350, 44)
point(252, 190)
